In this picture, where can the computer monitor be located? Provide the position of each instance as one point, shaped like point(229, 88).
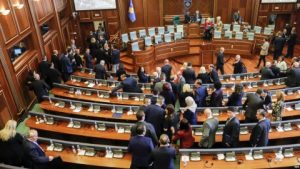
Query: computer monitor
point(227, 27)
point(167, 37)
point(133, 35)
point(157, 39)
point(142, 33)
point(151, 31)
point(217, 34)
point(250, 35)
point(148, 41)
point(17, 51)
point(267, 31)
point(125, 38)
point(179, 28)
point(178, 35)
point(239, 35)
point(236, 28)
point(171, 28)
point(135, 46)
point(257, 29)
point(161, 30)
point(228, 34)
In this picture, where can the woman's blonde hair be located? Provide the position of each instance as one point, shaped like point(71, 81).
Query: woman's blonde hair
point(186, 88)
point(9, 130)
point(280, 96)
point(202, 69)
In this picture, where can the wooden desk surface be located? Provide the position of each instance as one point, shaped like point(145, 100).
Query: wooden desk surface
point(222, 164)
point(107, 88)
point(85, 130)
point(93, 98)
point(272, 136)
point(67, 155)
point(106, 114)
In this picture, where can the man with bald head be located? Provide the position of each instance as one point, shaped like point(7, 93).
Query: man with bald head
point(238, 65)
point(167, 69)
point(163, 157)
point(220, 60)
point(293, 75)
point(266, 72)
point(210, 127)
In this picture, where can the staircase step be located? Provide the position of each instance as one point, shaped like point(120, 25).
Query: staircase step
point(127, 60)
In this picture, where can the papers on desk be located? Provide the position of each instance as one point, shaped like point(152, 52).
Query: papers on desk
point(195, 156)
point(81, 152)
point(221, 156)
point(91, 85)
point(278, 156)
point(50, 148)
point(249, 157)
point(279, 129)
point(185, 158)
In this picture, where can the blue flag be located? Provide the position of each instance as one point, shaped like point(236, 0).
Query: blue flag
point(131, 13)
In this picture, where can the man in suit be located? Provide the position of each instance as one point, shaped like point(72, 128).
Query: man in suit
point(55, 60)
point(189, 74)
point(167, 69)
point(200, 94)
point(266, 72)
point(100, 71)
point(35, 156)
point(140, 148)
point(53, 76)
point(154, 114)
point(260, 133)
point(231, 131)
point(279, 42)
point(291, 42)
point(252, 104)
point(293, 76)
point(44, 67)
point(39, 86)
point(163, 157)
point(213, 74)
point(180, 82)
point(236, 17)
point(128, 84)
point(78, 60)
point(220, 60)
point(267, 98)
point(66, 66)
point(88, 59)
point(150, 131)
point(263, 52)
point(210, 127)
point(159, 85)
point(238, 65)
point(115, 58)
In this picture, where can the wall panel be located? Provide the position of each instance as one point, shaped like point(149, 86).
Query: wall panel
point(21, 16)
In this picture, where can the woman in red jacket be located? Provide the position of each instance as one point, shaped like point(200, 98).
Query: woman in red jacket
point(184, 134)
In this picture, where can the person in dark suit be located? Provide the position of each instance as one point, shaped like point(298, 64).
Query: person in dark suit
point(231, 131)
point(167, 69)
point(120, 71)
point(66, 67)
point(220, 60)
point(115, 58)
point(78, 60)
point(210, 127)
point(213, 74)
point(140, 148)
point(150, 131)
point(267, 98)
point(238, 65)
point(154, 114)
point(293, 76)
point(55, 60)
point(53, 76)
point(40, 87)
point(128, 84)
point(142, 75)
point(44, 66)
point(200, 94)
point(252, 104)
point(189, 74)
point(266, 72)
point(35, 156)
point(260, 133)
point(168, 94)
point(187, 17)
point(107, 56)
point(235, 99)
point(163, 157)
point(11, 145)
point(291, 42)
point(279, 42)
point(88, 59)
point(203, 76)
point(100, 71)
point(216, 97)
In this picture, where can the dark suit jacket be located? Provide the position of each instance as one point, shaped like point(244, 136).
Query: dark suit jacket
point(88, 61)
point(231, 132)
point(163, 158)
point(216, 98)
point(150, 131)
point(53, 76)
point(34, 156)
point(279, 43)
point(293, 77)
point(169, 97)
point(12, 151)
point(167, 69)
point(238, 67)
point(266, 73)
point(220, 59)
point(204, 77)
point(140, 147)
point(214, 77)
point(142, 77)
point(115, 57)
point(100, 72)
point(210, 127)
point(66, 65)
point(40, 89)
point(235, 99)
point(128, 85)
point(44, 67)
point(292, 40)
point(253, 103)
point(78, 60)
point(154, 114)
point(189, 75)
point(200, 96)
point(55, 60)
point(260, 134)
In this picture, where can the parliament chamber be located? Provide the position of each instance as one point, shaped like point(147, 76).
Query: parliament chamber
point(149, 84)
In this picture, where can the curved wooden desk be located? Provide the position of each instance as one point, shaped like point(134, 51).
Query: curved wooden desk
point(208, 161)
point(68, 156)
point(85, 130)
point(93, 98)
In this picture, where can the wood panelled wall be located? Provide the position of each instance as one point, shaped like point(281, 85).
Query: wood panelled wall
point(25, 23)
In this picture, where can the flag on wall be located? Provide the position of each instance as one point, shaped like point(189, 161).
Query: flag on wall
point(131, 14)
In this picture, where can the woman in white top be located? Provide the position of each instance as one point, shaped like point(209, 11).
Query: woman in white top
point(281, 64)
